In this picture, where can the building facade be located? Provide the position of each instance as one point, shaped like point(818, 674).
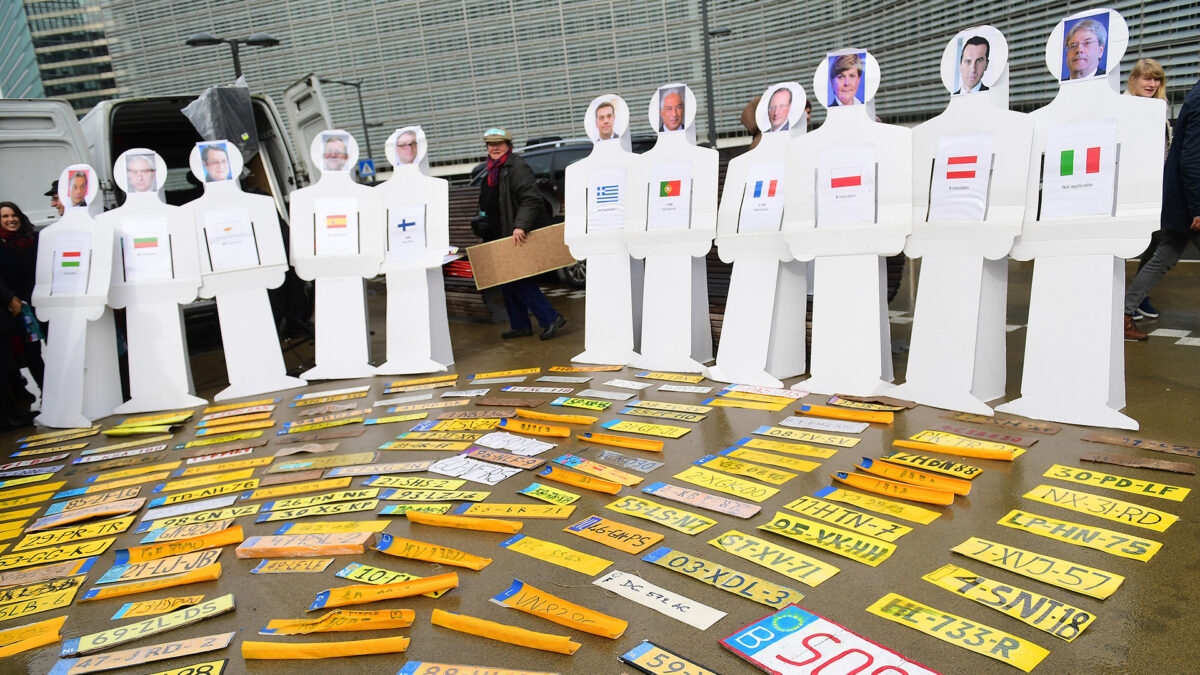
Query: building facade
point(458, 66)
point(71, 47)
point(19, 77)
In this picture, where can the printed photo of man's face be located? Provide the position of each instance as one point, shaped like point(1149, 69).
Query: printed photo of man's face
point(334, 153)
point(140, 173)
point(78, 188)
point(216, 162)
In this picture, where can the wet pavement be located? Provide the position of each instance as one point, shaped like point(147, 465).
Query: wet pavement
point(1143, 627)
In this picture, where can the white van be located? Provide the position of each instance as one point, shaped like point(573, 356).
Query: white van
point(40, 137)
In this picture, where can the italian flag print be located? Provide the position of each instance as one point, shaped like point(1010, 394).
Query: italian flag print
point(1079, 161)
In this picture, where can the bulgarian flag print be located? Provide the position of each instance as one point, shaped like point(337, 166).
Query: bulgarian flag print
point(850, 176)
point(670, 188)
point(71, 258)
point(335, 222)
point(145, 242)
point(1069, 161)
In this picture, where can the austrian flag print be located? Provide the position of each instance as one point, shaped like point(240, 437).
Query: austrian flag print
point(961, 167)
point(670, 188)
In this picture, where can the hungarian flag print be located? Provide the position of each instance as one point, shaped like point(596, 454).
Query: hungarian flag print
point(334, 222)
point(71, 258)
point(1068, 161)
point(670, 188)
point(845, 177)
point(963, 166)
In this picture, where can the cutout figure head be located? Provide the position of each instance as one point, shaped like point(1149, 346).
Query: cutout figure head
point(215, 157)
point(973, 62)
point(140, 173)
point(335, 152)
point(607, 117)
point(781, 107)
point(1084, 43)
point(846, 79)
point(671, 111)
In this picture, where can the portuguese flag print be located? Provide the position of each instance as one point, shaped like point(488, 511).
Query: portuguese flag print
point(670, 188)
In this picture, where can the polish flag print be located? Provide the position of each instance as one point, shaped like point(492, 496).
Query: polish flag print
point(850, 176)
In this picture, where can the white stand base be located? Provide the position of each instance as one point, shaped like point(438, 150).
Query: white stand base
point(957, 358)
point(82, 381)
point(417, 327)
point(676, 333)
point(342, 351)
point(608, 315)
point(1074, 369)
point(763, 333)
point(253, 359)
point(851, 337)
point(160, 377)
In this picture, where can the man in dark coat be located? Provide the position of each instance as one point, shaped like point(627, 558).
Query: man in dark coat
point(511, 205)
point(1180, 219)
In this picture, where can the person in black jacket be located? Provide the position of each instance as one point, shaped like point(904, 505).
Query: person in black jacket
point(510, 205)
point(18, 263)
point(1180, 220)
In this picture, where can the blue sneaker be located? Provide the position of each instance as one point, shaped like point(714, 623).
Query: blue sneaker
point(1146, 310)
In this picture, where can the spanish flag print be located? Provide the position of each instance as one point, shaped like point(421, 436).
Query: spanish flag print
point(335, 222)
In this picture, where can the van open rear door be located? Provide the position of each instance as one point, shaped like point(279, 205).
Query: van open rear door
point(308, 114)
point(38, 139)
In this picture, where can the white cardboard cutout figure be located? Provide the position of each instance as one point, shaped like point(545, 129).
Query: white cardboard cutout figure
point(337, 240)
point(416, 209)
point(763, 333)
point(155, 270)
point(670, 222)
point(1093, 212)
point(597, 203)
point(74, 263)
point(849, 202)
point(241, 255)
point(969, 175)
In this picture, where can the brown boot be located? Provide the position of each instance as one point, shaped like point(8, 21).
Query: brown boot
point(1131, 332)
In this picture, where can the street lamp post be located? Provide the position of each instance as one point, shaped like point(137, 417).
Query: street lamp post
point(206, 39)
point(362, 111)
point(708, 78)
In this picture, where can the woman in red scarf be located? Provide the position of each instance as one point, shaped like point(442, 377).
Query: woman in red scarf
point(510, 206)
point(18, 263)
